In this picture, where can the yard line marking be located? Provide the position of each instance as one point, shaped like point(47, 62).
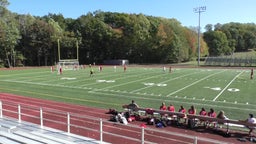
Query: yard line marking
point(131, 82)
point(193, 83)
point(119, 78)
point(163, 82)
point(118, 95)
point(228, 85)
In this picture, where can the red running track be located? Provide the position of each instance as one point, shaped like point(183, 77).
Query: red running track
point(89, 117)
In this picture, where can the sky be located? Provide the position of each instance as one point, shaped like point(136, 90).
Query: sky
point(217, 11)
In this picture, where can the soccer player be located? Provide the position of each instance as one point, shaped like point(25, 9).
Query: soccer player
point(60, 70)
point(91, 72)
point(100, 68)
point(170, 69)
point(125, 68)
point(115, 68)
point(252, 73)
point(52, 69)
point(164, 68)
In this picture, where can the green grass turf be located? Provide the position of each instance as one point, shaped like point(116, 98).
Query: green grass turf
point(148, 86)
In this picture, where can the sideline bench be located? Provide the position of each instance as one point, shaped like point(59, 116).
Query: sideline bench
point(227, 122)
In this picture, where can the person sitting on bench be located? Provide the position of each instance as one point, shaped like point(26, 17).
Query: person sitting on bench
point(252, 120)
point(133, 106)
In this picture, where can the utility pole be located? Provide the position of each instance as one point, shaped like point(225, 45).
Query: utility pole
point(199, 10)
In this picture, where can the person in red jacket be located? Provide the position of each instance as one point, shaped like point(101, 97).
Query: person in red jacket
point(171, 108)
point(191, 121)
point(192, 110)
point(211, 113)
point(182, 110)
point(203, 112)
point(163, 106)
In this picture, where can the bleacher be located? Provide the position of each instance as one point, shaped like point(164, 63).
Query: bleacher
point(230, 61)
point(14, 132)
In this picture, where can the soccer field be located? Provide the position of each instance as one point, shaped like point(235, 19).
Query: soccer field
point(230, 90)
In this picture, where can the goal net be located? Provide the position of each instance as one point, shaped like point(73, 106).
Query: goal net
point(68, 57)
point(68, 64)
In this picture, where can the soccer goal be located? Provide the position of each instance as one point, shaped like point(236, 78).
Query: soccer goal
point(68, 63)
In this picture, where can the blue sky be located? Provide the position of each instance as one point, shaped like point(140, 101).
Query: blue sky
point(217, 11)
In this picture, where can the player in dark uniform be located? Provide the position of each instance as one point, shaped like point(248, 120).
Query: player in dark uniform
point(252, 73)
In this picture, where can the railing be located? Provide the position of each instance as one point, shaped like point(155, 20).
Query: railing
point(92, 127)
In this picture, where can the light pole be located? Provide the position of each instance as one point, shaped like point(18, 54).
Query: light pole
point(199, 10)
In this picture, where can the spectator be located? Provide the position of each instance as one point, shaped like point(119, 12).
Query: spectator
point(183, 111)
point(203, 112)
point(133, 106)
point(221, 115)
point(163, 106)
point(211, 113)
point(191, 121)
point(192, 110)
point(171, 108)
point(121, 118)
point(252, 120)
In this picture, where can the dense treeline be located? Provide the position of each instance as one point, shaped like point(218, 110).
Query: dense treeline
point(33, 41)
point(229, 38)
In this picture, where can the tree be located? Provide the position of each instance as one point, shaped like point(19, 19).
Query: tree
point(39, 36)
point(217, 43)
point(9, 35)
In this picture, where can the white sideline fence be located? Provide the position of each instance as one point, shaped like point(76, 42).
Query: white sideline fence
point(15, 111)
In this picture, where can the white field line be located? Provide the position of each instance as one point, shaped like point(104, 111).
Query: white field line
point(119, 95)
point(81, 86)
point(130, 82)
point(227, 85)
point(163, 82)
point(134, 75)
point(80, 75)
point(23, 75)
point(127, 83)
point(193, 83)
point(106, 75)
point(44, 84)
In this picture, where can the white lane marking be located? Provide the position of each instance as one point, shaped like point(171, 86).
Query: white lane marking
point(227, 85)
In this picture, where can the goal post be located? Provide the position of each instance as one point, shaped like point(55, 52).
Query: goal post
point(71, 64)
point(68, 63)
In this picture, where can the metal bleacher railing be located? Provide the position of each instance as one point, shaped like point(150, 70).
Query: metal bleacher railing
point(88, 126)
point(230, 61)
